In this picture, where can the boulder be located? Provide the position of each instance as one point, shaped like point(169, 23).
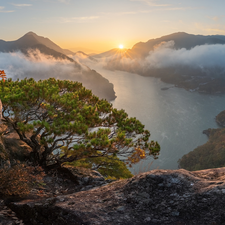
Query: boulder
point(83, 176)
point(155, 197)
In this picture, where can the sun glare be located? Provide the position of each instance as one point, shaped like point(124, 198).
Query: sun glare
point(121, 46)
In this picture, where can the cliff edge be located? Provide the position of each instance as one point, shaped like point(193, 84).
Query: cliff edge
point(155, 197)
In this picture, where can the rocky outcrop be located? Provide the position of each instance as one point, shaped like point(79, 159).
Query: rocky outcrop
point(220, 119)
point(207, 132)
point(84, 177)
point(7, 216)
point(206, 156)
point(156, 197)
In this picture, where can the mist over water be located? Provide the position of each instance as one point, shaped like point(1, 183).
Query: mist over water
point(175, 117)
point(165, 55)
point(40, 66)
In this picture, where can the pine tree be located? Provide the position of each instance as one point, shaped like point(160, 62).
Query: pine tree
point(62, 116)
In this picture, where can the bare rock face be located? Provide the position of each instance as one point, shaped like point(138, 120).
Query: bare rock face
point(83, 176)
point(156, 197)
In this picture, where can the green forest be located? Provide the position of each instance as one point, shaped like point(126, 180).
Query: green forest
point(209, 155)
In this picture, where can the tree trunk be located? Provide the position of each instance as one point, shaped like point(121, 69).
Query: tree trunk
point(0, 111)
point(44, 157)
point(34, 155)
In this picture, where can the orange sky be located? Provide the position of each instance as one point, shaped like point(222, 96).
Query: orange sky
point(100, 25)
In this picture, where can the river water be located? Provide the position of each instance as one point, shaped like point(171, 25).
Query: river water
point(175, 117)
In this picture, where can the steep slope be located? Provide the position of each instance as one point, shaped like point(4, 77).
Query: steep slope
point(45, 41)
point(32, 41)
point(32, 45)
point(48, 43)
point(47, 51)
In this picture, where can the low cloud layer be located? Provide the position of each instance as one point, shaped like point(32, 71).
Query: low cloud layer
point(204, 57)
point(200, 56)
point(40, 67)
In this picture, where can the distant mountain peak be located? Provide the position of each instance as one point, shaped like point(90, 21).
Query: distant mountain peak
point(31, 33)
point(33, 41)
point(115, 52)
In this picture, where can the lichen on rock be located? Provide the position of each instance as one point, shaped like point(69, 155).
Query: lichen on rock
point(155, 197)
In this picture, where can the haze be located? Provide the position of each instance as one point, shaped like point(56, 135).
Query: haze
point(94, 26)
point(180, 43)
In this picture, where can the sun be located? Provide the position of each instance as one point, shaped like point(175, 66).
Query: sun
point(121, 46)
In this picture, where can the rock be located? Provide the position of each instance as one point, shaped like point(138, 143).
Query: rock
point(220, 119)
point(12, 149)
point(7, 217)
point(207, 132)
point(190, 198)
point(84, 176)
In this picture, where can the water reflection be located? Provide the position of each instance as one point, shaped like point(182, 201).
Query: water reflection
point(175, 117)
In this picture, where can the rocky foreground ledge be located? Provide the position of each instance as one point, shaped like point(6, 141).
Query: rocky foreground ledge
point(156, 197)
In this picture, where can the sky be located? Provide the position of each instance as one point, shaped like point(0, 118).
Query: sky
point(95, 26)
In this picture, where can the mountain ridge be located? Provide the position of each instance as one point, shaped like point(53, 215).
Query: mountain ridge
point(181, 39)
point(185, 60)
point(30, 42)
point(111, 52)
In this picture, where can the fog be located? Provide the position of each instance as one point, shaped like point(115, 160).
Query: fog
point(164, 55)
point(200, 56)
point(40, 66)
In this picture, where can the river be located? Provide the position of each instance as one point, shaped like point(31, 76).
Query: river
point(175, 117)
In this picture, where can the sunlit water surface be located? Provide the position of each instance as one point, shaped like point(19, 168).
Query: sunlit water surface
point(175, 117)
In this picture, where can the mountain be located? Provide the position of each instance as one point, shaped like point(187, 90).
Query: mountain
point(82, 53)
point(82, 57)
point(29, 40)
point(181, 40)
point(70, 69)
point(44, 45)
point(193, 62)
point(33, 41)
point(116, 52)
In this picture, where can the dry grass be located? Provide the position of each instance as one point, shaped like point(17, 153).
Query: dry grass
point(142, 168)
point(19, 179)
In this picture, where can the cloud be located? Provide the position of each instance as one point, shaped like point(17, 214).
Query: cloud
point(161, 7)
point(205, 59)
point(175, 8)
point(204, 56)
point(64, 1)
point(213, 29)
point(150, 3)
point(83, 19)
point(21, 5)
point(215, 18)
point(2, 10)
point(39, 66)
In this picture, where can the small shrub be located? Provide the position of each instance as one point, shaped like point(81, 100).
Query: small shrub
point(19, 180)
point(109, 167)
